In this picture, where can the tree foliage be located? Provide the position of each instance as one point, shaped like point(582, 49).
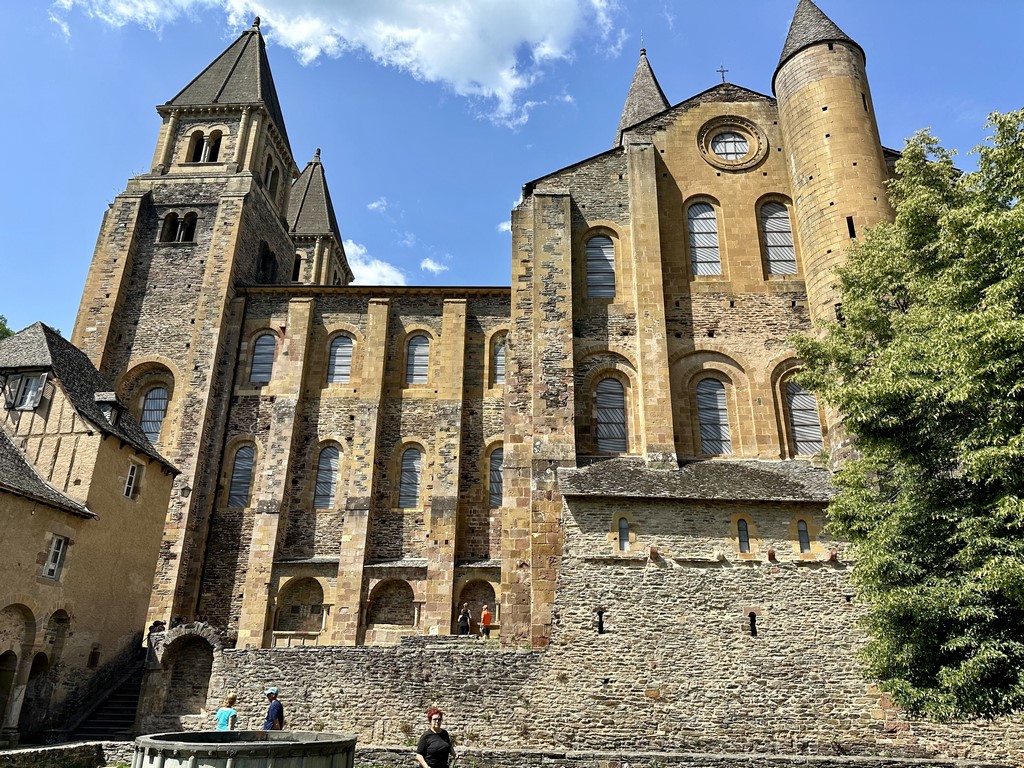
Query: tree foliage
point(5, 330)
point(927, 367)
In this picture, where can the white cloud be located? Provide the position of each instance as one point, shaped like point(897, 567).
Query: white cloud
point(482, 49)
point(429, 265)
point(379, 205)
point(371, 271)
point(505, 226)
point(408, 240)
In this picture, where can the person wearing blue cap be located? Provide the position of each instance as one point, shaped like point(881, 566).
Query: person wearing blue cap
point(275, 712)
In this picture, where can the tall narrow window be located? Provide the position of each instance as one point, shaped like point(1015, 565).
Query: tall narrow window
point(495, 488)
point(268, 265)
point(409, 486)
point(241, 477)
point(187, 228)
point(713, 416)
point(611, 416)
point(154, 408)
point(704, 255)
point(600, 268)
point(805, 537)
point(804, 423)
point(339, 366)
point(417, 360)
point(212, 152)
point(169, 230)
point(744, 535)
point(326, 478)
point(133, 482)
point(55, 557)
point(779, 252)
point(498, 360)
point(263, 358)
point(198, 143)
point(296, 268)
point(623, 535)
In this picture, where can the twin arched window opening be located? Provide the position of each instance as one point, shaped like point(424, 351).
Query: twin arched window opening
point(263, 351)
point(776, 233)
point(204, 148)
point(177, 229)
point(326, 478)
point(600, 267)
point(610, 399)
point(409, 482)
point(713, 417)
point(417, 359)
point(154, 409)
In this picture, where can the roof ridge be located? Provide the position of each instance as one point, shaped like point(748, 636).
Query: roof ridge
point(231, 71)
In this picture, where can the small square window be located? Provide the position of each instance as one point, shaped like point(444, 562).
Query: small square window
point(55, 559)
point(133, 482)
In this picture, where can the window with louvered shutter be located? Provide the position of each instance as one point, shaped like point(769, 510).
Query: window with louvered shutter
point(744, 535)
point(600, 268)
point(154, 408)
point(241, 477)
point(804, 422)
point(713, 416)
point(495, 488)
point(263, 359)
point(623, 535)
point(409, 485)
point(417, 361)
point(499, 360)
point(703, 225)
point(326, 478)
point(339, 366)
point(611, 416)
point(780, 254)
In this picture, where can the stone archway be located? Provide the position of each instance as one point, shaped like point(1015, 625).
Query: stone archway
point(478, 593)
point(300, 606)
point(390, 613)
point(189, 664)
point(35, 705)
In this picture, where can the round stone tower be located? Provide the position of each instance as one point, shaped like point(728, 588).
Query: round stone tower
point(830, 138)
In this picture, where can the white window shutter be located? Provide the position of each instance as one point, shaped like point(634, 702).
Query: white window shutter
point(713, 417)
point(417, 363)
point(241, 477)
point(263, 359)
point(409, 485)
point(339, 370)
point(600, 268)
point(705, 258)
point(326, 478)
point(804, 420)
point(778, 239)
point(611, 416)
point(495, 488)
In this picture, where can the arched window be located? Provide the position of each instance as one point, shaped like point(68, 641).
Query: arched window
point(744, 535)
point(263, 358)
point(713, 416)
point(187, 228)
point(804, 536)
point(339, 364)
point(417, 360)
point(268, 171)
point(154, 408)
point(275, 177)
point(804, 424)
point(326, 478)
point(611, 416)
point(703, 225)
point(779, 253)
point(241, 477)
point(195, 147)
point(623, 535)
point(212, 152)
point(498, 360)
point(600, 267)
point(297, 268)
point(409, 486)
point(268, 265)
point(494, 493)
point(169, 230)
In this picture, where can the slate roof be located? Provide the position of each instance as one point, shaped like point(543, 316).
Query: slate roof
point(310, 211)
point(18, 476)
point(645, 97)
point(240, 75)
point(809, 26)
point(731, 480)
point(40, 346)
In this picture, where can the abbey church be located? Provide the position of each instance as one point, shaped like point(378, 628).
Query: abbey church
point(612, 453)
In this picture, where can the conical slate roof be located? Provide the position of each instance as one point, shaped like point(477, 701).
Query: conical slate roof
point(310, 211)
point(645, 98)
point(240, 75)
point(810, 26)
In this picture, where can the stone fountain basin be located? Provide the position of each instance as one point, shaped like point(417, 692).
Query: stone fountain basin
point(244, 749)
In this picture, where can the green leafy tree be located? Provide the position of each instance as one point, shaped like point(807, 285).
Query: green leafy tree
point(5, 330)
point(927, 367)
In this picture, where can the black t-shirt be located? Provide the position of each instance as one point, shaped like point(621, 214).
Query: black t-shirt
point(435, 748)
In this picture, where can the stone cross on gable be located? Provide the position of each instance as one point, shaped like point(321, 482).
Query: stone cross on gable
point(722, 70)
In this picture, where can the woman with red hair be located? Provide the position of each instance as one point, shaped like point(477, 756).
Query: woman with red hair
point(435, 747)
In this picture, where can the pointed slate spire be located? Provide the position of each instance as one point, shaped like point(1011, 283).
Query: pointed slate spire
point(810, 26)
point(645, 97)
point(310, 211)
point(240, 75)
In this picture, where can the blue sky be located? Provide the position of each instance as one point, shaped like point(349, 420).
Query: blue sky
point(430, 115)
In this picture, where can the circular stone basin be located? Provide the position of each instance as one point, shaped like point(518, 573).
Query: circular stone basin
point(245, 749)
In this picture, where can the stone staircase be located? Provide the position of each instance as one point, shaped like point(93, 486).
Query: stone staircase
point(112, 720)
